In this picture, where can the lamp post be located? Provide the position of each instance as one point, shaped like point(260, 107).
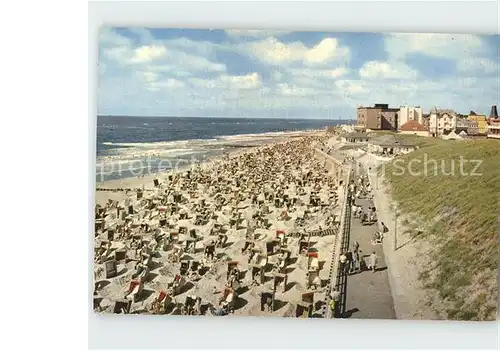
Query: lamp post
point(395, 228)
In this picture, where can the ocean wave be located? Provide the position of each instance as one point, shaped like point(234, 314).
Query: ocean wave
point(124, 151)
point(160, 144)
point(148, 155)
point(259, 135)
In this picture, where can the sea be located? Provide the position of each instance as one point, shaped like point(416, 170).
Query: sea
point(135, 146)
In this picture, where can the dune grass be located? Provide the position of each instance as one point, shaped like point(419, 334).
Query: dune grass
point(453, 187)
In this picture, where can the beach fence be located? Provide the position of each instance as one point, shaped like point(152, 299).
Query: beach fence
point(338, 278)
point(317, 233)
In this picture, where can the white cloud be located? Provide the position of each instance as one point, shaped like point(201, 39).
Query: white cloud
point(351, 86)
point(195, 63)
point(398, 45)
point(149, 76)
point(249, 81)
point(163, 54)
point(169, 83)
point(273, 51)
point(324, 51)
point(387, 70)
point(294, 90)
point(477, 65)
point(148, 53)
point(320, 73)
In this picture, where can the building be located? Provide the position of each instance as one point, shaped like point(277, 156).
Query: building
point(481, 120)
point(355, 137)
point(442, 122)
point(494, 113)
point(378, 117)
point(426, 120)
point(473, 128)
point(390, 145)
point(410, 113)
point(389, 119)
point(463, 125)
point(493, 131)
point(412, 127)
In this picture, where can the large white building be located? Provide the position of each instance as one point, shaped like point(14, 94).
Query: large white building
point(410, 113)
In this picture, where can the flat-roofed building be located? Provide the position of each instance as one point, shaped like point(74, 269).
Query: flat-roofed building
point(355, 137)
point(390, 145)
point(378, 117)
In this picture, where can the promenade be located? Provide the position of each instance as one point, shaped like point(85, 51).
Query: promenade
point(367, 294)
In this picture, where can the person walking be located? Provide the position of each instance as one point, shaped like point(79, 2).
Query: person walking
point(373, 262)
point(343, 262)
point(383, 228)
point(355, 262)
point(356, 246)
point(334, 299)
point(362, 262)
point(349, 265)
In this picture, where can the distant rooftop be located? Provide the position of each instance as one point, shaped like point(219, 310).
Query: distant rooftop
point(356, 135)
point(413, 126)
point(494, 113)
point(379, 106)
point(390, 140)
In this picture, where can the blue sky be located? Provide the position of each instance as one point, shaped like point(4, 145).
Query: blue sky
point(265, 73)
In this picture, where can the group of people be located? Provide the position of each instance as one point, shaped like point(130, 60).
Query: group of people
point(353, 261)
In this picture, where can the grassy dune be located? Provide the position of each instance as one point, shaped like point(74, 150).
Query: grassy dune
point(459, 209)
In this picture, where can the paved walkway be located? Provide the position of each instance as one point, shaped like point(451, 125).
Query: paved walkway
point(368, 294)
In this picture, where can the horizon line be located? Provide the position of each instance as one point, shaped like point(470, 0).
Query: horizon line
point(292, 118)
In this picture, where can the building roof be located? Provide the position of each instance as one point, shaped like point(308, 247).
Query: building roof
point(383, 107)
point(477, 117)
point(453, 135)
point(356, 135)
point(413, 126)
point(463, 123)
point(390, 140)
point(446, 111)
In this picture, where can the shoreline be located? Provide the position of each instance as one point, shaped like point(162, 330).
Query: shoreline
point(139, 182)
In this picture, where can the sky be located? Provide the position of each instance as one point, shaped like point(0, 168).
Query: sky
point(286, 74)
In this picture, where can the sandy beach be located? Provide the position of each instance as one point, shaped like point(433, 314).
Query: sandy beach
point(250, 233)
